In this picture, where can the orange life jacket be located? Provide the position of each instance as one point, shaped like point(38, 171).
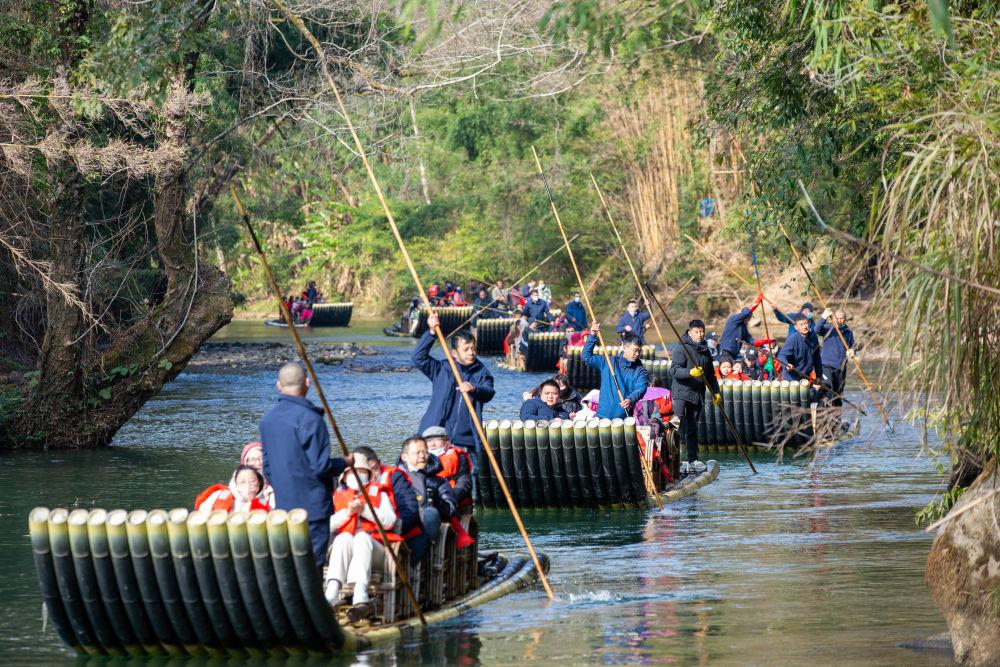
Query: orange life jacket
point(224, 499)
point(385, 481)
point(344, 495)
point(450, 461)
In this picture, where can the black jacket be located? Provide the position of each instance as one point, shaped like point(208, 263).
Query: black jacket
point(573, 402)
point(431, 490)
point(682, 385)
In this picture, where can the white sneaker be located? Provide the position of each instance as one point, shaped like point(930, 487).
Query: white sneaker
point(684, 468)
point(332, 591)
point(360, 595)
point(697, 467)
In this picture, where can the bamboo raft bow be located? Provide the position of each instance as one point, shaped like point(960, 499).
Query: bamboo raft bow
point(322, 398)
point(647, 473)
point(631, 266)
point(729, 424)
point(332, 85)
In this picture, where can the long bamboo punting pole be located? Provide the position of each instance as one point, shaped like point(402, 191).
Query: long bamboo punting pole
point(760, 290)
point(297, 22)
point(646, 472)
point(729, 423)
point(721, 263)
point(631, 266)
point(404, 577)
point(822, 301)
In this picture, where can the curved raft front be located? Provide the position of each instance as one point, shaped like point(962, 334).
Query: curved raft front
point(584, 463)
point(210, 584)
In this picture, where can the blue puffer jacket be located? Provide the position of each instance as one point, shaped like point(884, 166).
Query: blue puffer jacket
point(632, 378)
point(637, 322)
point(736, 331)
point(803, 354)
point(833, 352)
point(576, 315)
point(535, 408)
point(447, 408)
point(297, 459)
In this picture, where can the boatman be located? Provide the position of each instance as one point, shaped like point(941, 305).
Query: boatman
point(736, 332)
point(800, 354)
point(833, 353)
point(789, 318)
point(537, 310)
point(632, 377)
point(690, 368)
point(576, 315)
point(297, 459)
point(447, 407)
point(633, 322)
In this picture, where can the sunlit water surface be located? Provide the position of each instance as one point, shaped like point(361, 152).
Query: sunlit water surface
point(800, 564)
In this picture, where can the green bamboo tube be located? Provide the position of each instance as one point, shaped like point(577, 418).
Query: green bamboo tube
point(636, 478)
point(728, 401)
point(145, 610)
point(41, 550)
point(208, 583)
point(771, 408)
point(786, 397)
point(267, 583)
point(533, 480)
point(484, 474)
point(588, 495)
point(229, 587)
point(507, 463)
point(718, 424)
point(746, 394)
point(703, 419)
point(757, 396)
point(288, 583)
point(166, 579)
point(520, 465)
point(560, 486)
point(608, 463)
point(739, 419)
point(621, 458)
point(239, 549)
point(100, 558)
point(804, 394)
point(310, 582)
point(572, 472)
point(86, 578)
point(69, 590)
point(546, 476)
point(599, 482)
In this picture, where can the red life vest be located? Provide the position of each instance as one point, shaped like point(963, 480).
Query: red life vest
point(344, 495)
point(449, 467)
point(385, 481)
point(223, 499)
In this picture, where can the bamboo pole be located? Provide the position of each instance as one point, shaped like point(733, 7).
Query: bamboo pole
point(297, 22)
point(724, 265)
point(646, 472)
point(322, 399)
point(631, 266)
point(760, 290)
point(822, 301)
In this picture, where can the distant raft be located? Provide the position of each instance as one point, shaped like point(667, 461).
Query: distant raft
point(584, 377)
point(331, 314)
point(183, 583)
point(578, 464)
point(490, 334)
point(452, 318)
point(544, 348)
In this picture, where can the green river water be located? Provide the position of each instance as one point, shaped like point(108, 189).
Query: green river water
point(800, 564)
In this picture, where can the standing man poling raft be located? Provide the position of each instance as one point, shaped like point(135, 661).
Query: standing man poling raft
point(633, 321)
point(631, 375)
point(446, 407)
point(800, 354)
point(297, 459)
point(687, 387)
point(576, 314)
point(833, 354)
point(736, 331)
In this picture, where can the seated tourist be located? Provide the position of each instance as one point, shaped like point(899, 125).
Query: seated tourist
point(456, 463)
point(723, 370)
point(357, 544)
point(737, 372)
point(253, 456)
point(545, 405)
point(396, 482)
point(434, 495)
point(570, 400)
point(242, 494)
point(590, 401)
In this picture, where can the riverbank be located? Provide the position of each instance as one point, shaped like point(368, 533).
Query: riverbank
point(247, 356)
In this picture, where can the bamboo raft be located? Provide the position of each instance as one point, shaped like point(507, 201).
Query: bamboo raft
point(582, 464)
point(451, 317)
point(585, 377)
point(279, 323)
point(490, 334)
point(183, 583)
point(331, 314)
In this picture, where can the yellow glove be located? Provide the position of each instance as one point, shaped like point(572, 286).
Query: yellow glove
point(696, 372)
point(716, 399)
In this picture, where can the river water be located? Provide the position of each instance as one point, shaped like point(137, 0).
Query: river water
point(817, 564)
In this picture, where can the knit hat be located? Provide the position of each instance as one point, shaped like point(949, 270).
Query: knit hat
point(805, 306)
point(246, 450)
point(696, 324)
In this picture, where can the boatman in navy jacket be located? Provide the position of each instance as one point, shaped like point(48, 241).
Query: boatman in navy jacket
point(576, 316)
point(447, 408)
point(833, 353)
point(634, 322)
point(800, 354)
point(297, 459)
point(736, 331)
point(632, 376)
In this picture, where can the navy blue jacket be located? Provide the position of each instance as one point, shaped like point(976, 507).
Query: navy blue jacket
point(803, 354)
point(407, 507)
point(637, 322)
point(297, 459)
point(632, 378)
point(833, 352)
point(736, 331)
point(787, 319)
point(447, 408)
point(682, 385)
point(536, 310)
point(535, 408)
point(428, 489)
point(576, 315)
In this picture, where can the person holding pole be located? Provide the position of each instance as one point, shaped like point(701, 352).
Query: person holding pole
point(833, 353)
point(447, 407)
point(800, 354)
point(736, 331)
point(691, 368)
point(632, 376)
point(634, 322)
point(576, 314)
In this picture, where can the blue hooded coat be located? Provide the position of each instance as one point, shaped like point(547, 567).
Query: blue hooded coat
point(633, 378)
point(447, 408)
